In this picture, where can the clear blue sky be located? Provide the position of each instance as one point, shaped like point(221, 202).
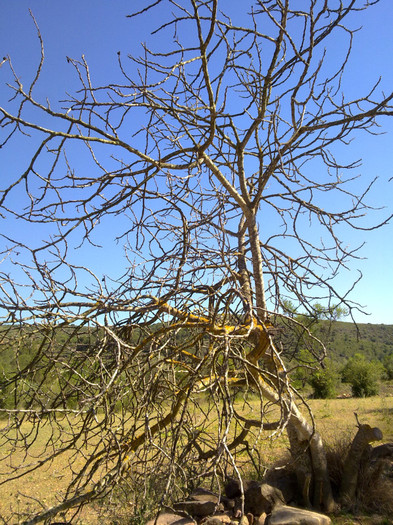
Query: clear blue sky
point(98, 29)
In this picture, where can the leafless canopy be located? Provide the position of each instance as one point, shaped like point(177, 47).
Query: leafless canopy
point(212, 163)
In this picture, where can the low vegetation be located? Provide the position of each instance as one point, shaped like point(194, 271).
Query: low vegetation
point(360, 356)
point(128, 506)
point(334, 394)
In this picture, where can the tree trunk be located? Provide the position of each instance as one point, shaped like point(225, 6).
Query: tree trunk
point(305, 443)
point(365, 435)
point(306, 448)
point(257, 265)
point(310, 462)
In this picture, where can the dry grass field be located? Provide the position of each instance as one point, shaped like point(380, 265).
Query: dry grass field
point(335, 419)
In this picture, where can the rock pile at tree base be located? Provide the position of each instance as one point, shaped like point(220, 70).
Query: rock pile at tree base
point(264, 504)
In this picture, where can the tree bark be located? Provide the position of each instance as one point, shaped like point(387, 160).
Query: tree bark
point(315, 485)
point(306, 448)
point(364, 436)
point(257, 266)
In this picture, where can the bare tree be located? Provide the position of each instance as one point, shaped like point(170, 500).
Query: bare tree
point(206, 160)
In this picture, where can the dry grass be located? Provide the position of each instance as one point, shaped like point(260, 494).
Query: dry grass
point(335, 417)
point(335, 420)
point(24, 495)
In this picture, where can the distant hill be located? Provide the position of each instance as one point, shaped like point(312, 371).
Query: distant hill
point(343, 339)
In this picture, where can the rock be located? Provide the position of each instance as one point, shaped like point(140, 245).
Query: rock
point(169, 518)
point(261, 519)
point(201, 494)
point(200, 503)
point(262, 498)
point(293, 516)
point(229, 503)
point(250, 518)
point(258, 497)
point(232, 487)
point(244, 520)
point(285, 481)
point(387, 468)
point(199, 508)
point(382, 451)
point(217, 519)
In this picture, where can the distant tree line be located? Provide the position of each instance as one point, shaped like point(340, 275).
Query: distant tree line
point(352, 365)
point(361, 356)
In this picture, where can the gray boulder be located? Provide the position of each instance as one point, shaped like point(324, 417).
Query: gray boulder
point(201, 494)
point(232, 487)
point(199, 509)
point(217, 519)
point(293, 516)
point(382, 452)
point(261, 520)
point(286, 481)
point(170, 518)
point(261, 498)
point(200, 503)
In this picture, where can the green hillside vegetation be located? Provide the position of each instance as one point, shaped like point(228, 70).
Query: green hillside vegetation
point(372, 342)
point(359, 355)
point(343, 340)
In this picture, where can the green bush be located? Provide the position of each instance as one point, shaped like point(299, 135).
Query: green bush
point(324, 382)
point(362, 375)
point(388, 365)
point(301, 373)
